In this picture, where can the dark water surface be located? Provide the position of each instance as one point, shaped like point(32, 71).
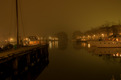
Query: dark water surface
point(77, 61)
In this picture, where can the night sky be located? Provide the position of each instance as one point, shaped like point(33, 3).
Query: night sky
point(46, 17)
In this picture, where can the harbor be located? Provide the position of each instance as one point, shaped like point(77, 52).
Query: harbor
point(60, 40)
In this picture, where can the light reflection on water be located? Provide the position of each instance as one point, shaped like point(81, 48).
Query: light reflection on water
point(53, 44)
point(58, 44)
point(78, 61)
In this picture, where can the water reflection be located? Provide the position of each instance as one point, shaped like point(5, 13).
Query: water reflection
point(108, 58)
point(108, 54)
point(115, 52)
point(79, 45)
point(58, 44)
point(53, 44)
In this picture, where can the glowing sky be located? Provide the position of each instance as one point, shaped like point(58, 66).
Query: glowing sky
point(45, 17)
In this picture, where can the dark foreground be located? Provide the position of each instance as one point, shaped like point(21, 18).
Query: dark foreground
point(74, 61)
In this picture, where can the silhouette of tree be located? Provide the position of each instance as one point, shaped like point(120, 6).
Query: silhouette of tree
point(62, 40)
point(76, 34)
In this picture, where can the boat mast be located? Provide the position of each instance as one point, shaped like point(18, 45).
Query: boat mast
point(17, 23)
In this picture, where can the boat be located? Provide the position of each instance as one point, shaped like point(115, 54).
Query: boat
point(28, 41)
point(113, 41)
point(31, 41)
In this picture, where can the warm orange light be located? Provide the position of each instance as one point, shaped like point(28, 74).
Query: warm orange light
point(88, 45)
point(50, 44)
point(120, 55)
point(114, 55)
point(31, 42)
point(117, 54)
point(88, 36)
point(117, 39)
point(102, 35)
point(11, 39)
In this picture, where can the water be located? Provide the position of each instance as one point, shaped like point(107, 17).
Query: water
point(75, 61)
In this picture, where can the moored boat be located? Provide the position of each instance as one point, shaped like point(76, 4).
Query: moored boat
point(31, 40)
point(112, 41)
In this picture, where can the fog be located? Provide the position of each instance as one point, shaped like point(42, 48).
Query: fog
point(48, 17)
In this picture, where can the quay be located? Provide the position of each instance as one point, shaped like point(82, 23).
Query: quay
point(22, 59)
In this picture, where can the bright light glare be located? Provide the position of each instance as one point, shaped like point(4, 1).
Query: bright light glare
point(88, 45)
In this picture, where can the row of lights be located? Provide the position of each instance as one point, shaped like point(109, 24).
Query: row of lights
point(91, 36)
